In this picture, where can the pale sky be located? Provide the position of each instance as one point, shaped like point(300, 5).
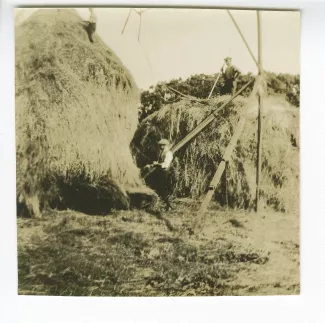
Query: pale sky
point(182, 42)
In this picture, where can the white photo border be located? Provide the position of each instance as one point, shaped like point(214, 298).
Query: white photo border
point(308, 307)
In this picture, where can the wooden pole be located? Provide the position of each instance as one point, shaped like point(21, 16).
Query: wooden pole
point(206, 121)
point(219, 172)
point(215, 83)
point(192, 134)
point(242, 36)
point(139, 26)
point(182, 94)
point(260, 111)
point(126, 21)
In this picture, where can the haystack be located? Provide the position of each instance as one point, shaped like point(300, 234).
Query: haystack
point(76, 113)
point(196, 163)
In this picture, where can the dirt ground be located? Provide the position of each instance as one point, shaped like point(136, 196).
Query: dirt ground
point(136, 253)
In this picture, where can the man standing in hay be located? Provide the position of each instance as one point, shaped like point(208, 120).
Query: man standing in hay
point(230, 74)
point(161, 171)
point(92, 24)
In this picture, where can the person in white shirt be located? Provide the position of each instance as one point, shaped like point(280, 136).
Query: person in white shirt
point(92, 24)
point(162, 167)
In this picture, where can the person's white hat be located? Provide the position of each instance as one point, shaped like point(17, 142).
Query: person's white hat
point(163, 142)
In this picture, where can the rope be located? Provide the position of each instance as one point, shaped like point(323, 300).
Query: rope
point(140, 12)
point(147, 59)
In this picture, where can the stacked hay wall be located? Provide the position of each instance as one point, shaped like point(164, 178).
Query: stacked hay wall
point(195, 164)
point(76, 113)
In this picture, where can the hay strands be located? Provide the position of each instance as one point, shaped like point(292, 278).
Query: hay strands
point(216, 178)
point(201, 126)
point(207, 121)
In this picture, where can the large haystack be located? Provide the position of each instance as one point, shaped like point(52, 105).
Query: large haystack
point(76, 113)
point(196, 163)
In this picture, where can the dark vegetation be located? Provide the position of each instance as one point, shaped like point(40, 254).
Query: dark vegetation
point(199, 86)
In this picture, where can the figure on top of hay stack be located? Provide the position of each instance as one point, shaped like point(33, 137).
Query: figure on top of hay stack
point(161, 171)
point(92, 24)
point(230, 74)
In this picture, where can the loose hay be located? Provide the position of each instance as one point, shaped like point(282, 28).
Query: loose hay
point(195, 164)
point(76, 113)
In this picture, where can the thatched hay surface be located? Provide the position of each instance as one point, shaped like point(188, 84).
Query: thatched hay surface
point(76, 111)
point(196, 163)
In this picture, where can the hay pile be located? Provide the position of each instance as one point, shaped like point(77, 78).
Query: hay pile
point(196, 163)
point(76, 113)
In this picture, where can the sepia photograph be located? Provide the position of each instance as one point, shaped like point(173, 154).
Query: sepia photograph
point(157, 151)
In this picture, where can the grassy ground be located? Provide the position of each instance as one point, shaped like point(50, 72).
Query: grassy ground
point(134, 253)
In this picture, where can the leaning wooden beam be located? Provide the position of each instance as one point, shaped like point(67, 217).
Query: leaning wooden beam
point(215, 83)
point(260, 111)
point(139, 27)
point(191, 135)
point(242, 36)
point(183, 95)
point(126, 21)
point(215, 181)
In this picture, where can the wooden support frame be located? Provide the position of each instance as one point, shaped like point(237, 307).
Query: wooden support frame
point(237, 133)
point(242, 37)
point(259, 64)
point(126, 21)
point(140, 23)
point(260, 112)
point(139, 12)
point(216, 178)
point(206, 121)
point(191, 135)
point(188, 97)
